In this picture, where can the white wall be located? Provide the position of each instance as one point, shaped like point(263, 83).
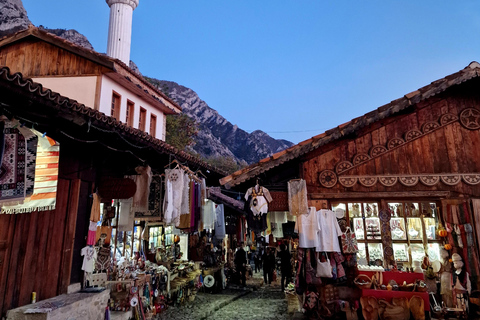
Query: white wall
point(107, 88)
point(77, 88)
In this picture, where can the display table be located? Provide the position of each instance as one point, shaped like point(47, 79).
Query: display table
point(400, 278)
point(388, 295)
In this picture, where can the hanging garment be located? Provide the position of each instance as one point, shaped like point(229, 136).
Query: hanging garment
point(95, 211)
point(328, 237)
point(176, 177)
point(142, 180)
point(308, 227)
point(92, 233)
point(297, 197)
point(89, 256)
point(209, 215)
point(185, 209)
point(168, 202)
point(277, 219)
point(155, 196)
point(125, 215)
point(219, 222)
point(260, 199)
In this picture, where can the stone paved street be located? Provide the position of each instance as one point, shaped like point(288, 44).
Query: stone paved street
point(257, 301)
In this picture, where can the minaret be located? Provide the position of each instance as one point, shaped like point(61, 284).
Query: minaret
point(120, 29)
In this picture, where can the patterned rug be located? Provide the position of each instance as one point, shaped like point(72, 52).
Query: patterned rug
point(46, 177)
point(12, 171)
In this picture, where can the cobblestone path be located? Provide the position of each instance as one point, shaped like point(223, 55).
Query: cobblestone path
point(256, 301)
point(266, 303)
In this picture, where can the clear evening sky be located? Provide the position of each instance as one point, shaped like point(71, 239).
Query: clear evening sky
point(293, 69)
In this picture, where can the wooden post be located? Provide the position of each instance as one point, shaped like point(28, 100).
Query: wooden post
point(69, 236)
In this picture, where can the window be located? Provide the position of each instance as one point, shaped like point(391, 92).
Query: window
point(143, 119)
point(130, 113)
point(115, 108)
point(413, 226)
point(153, 125)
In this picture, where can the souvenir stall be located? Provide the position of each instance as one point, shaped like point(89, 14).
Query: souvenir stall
point(156, 243)
point(403, 185)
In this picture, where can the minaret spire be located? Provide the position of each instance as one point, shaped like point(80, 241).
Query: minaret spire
point(120, 29)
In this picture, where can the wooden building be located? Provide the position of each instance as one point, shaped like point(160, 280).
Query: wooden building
point(40, 251)
point(415, 157)
point(93, 79)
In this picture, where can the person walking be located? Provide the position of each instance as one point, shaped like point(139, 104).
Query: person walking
point(285, 265)
point(256, 261)
point(241, 264)
point(268, 266)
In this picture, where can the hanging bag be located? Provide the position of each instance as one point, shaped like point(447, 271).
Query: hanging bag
point(324, 269)
point(349, 242)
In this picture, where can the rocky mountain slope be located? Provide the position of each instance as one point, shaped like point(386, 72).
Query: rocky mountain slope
point(217, 137)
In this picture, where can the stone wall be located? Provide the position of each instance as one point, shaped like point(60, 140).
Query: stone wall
point(75, 306)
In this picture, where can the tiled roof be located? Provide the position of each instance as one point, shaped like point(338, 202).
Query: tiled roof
point(385, 111)
point(97, 57)
point(16, 84)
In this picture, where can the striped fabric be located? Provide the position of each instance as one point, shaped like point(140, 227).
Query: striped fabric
point(46, 178)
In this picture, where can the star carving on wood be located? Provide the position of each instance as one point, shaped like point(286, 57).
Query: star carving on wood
point(470, 118)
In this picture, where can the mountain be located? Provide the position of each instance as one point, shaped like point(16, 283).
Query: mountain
point(217, 137)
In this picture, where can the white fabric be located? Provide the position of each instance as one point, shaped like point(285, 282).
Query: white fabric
point(308, 227)
point(168, 202)
point(125, 215)
point(277, 230)
point(260, 199)
point(89, 256)
point(278, 217)
point(186, 195)
point(220, 222)
point(142, 180)
point(176, 177)
point(297, 196)
point(330, 231)
point(208, 216)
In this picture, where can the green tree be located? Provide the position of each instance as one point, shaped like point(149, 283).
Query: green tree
point(227, 164)
point(181, 131)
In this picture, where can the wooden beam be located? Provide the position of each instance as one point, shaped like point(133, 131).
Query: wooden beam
point(380, 195)
point(69, 236)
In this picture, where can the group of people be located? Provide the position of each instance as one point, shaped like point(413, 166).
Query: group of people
point(266, 261)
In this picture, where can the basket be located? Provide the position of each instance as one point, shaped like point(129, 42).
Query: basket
point(362, 281)
point(475, 297)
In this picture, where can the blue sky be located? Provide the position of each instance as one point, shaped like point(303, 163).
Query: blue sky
point(293, 69)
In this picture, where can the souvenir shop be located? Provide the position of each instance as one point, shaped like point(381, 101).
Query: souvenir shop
point(157, 245)
point(401, 189)
point(73, 223)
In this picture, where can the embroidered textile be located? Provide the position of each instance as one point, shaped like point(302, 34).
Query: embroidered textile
point(89, 256)
point(125, 215)
point(260, 197)
point(307, 227)
point(297, 197)
point(176, 177)
point(142, 180)
point(330, 231)
point(46, 177)
point(12, 172)
point(31, 142)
